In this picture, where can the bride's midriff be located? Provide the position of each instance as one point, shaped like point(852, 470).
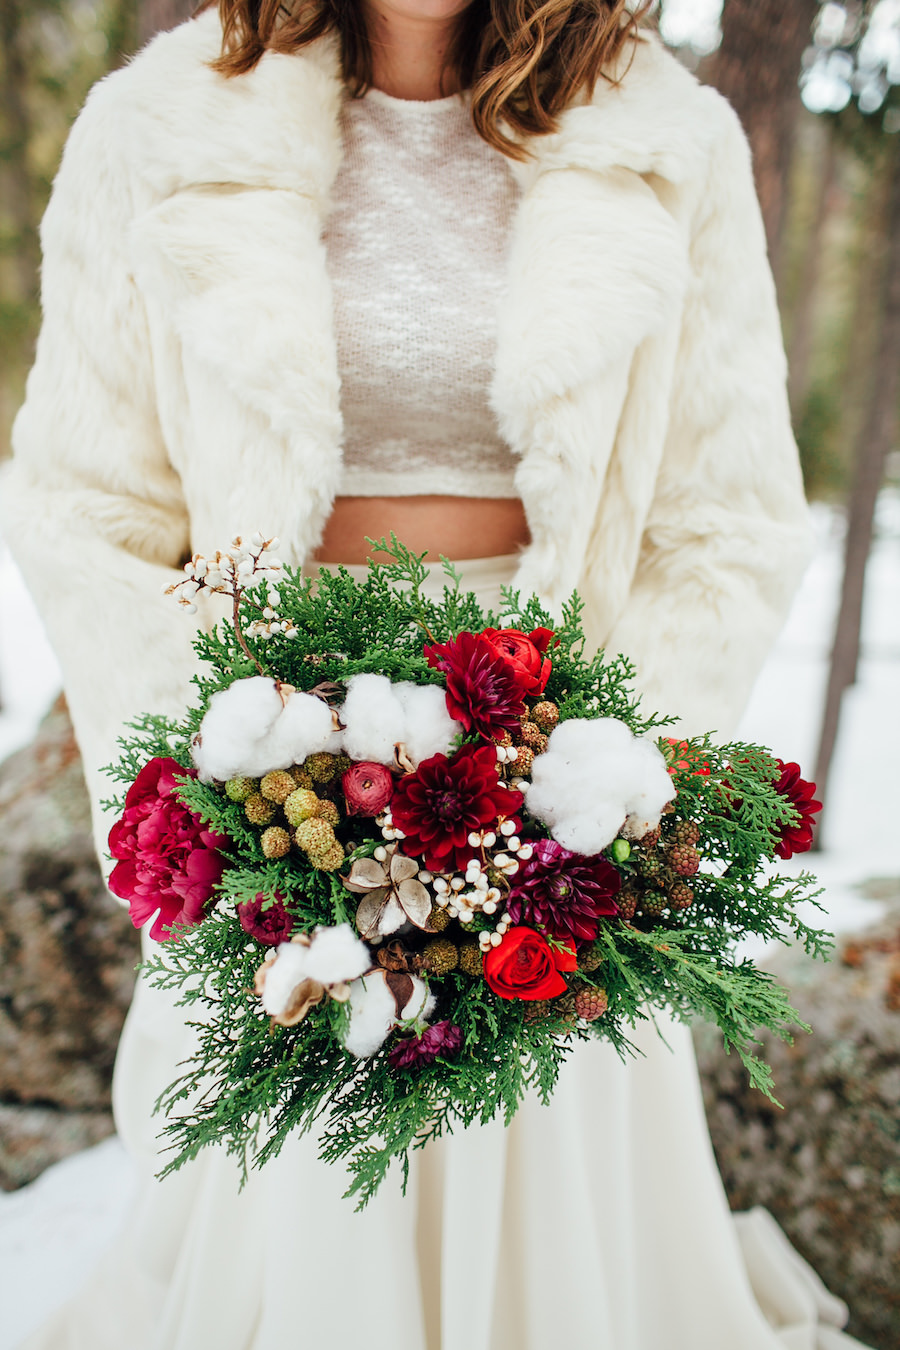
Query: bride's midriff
point(457, 527)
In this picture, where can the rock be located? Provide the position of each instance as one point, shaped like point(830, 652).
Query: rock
point(67, 949)
point(34, 1137)
point(827, 1166)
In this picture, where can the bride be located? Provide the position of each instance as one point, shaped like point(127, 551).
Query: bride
point(491, 274)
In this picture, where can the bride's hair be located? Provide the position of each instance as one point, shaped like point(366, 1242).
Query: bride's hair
point(524, 60)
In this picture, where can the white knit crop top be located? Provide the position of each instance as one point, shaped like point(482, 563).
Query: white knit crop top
point(416, 246)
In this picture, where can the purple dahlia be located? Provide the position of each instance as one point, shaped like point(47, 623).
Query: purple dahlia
point(413, 1052)
point(564, 894)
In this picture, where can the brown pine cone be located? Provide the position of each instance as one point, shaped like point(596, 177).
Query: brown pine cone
point(681, 896)
point(590, 1003)
point(685, 832)
point(627, 901)
point(683, 859)
point(653, 904)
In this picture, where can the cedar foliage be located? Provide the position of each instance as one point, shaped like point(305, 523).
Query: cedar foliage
point(248, 1085)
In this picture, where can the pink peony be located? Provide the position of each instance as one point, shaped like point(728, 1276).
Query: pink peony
point(167, 859)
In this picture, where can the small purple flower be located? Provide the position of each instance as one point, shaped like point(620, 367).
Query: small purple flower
point(444, 1039)
point(269, 926)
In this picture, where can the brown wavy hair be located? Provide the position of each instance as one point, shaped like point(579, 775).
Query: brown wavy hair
point(525, 61)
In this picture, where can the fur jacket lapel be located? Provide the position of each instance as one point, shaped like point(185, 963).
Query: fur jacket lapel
point(237, 176)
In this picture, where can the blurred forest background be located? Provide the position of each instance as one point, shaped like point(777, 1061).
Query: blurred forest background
point(817, 86)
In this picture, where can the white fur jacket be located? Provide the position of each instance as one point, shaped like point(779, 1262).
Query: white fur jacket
point(186, 387)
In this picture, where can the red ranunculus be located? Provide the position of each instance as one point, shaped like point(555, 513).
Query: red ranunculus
point(526, 653)
point(801, 794)
point(439, 805)
point(483, 690)
point(367, 788)
point(269, 926)
point(526, 966)
point(167, 859)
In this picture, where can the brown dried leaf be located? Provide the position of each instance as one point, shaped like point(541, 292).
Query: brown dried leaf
point(394, 956)
point(402, 868)
point(379, 914)
point(416, 902)
point(401, 986)
point(305, 996)
point(365, 875)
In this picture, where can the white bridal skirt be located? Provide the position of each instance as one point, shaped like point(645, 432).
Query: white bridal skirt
point(598, 1221)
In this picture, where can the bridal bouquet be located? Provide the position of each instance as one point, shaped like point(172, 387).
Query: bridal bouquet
point(402, 854)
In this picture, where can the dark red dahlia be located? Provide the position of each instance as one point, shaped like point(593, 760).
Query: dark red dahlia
point(439, 805)
point(796, 838)
point(413, 1052)
point(483, 690)
point(526, 653)
point(564, 894)
point(269, 926)
point(167, 859)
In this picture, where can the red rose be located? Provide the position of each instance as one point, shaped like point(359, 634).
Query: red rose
point(167, 859)
point(526, 966)
point(525, 653)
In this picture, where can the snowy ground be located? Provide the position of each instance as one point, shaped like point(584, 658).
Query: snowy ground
point(51, 1232)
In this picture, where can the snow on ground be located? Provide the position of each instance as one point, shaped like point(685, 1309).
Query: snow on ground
point(52, 1232)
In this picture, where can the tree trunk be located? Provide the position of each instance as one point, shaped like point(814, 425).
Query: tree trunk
point(156, 15)
point(757, 68)
point(875, 441)
point(804, 309)
point(14, 173)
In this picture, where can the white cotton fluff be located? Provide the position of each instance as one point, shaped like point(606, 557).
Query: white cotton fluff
point(373, 1012)
point(334, 955)
point(282, 977)
point(249, 729)
point(373, 719)
point(430, 730)
point(237, 720)
point(593, 776)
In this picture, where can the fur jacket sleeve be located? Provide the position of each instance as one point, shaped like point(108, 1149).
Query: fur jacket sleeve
point(185, 386)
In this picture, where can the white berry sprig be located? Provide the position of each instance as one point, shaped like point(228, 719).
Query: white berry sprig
point(243, 566)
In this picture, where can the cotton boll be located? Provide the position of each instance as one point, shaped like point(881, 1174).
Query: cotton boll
point(237, 720)
point(589, 834)
point(304, 727)
point(283, 975)
point(336, 955)
point(372, 1015)
point(430, 730)
point(421, 1003)
point(653, 786)
point(373, 719)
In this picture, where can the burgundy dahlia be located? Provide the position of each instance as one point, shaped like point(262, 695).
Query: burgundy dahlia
point(439, 805)
point(367, 788)
point(414, 1052)
point(796, 838)
point(167, 859)
point(269, 926)
point(564, 894)
point(483, 690)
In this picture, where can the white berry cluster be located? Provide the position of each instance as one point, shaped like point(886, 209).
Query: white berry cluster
point(240, 567)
